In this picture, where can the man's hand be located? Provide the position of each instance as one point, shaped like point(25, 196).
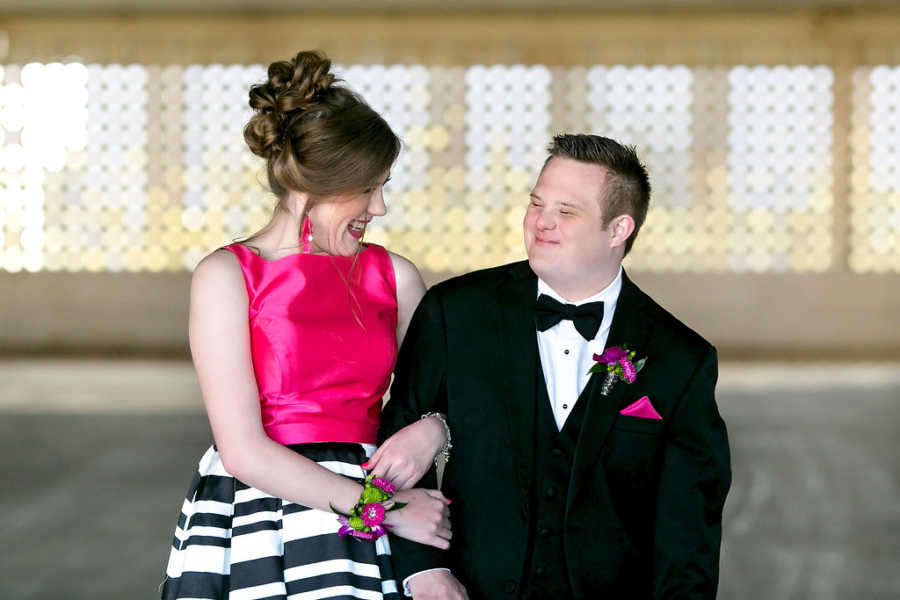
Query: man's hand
point(437, 585)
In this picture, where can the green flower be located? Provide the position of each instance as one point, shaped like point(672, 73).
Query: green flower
point(372, 494)
point(357, 523)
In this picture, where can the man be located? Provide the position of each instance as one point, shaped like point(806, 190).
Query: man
point(566, 484)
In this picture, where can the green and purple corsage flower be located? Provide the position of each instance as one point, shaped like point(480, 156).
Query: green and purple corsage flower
point(366, 518)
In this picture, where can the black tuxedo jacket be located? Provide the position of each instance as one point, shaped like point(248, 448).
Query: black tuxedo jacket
point(644, 503)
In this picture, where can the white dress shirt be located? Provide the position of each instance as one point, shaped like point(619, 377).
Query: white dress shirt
point(566, 357)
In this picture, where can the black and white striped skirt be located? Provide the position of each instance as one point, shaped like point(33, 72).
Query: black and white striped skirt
point(234, 541)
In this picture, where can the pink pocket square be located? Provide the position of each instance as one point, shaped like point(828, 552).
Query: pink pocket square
point(642, 409)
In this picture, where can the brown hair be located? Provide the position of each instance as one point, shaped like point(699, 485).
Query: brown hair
point(627, 189)
point(316, 135)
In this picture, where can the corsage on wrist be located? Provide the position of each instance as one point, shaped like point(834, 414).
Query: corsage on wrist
point(366, 518)
point(445, 449)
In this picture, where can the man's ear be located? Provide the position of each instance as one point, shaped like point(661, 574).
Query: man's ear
point(620, 229)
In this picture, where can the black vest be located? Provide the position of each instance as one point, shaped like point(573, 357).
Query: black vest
point(545, 575)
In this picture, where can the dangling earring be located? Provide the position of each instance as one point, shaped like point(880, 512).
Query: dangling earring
point(306, 234)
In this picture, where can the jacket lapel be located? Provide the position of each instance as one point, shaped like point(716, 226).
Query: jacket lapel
point(631, 328)
point(518, 344)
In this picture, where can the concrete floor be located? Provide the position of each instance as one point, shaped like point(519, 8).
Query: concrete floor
point(95, 458)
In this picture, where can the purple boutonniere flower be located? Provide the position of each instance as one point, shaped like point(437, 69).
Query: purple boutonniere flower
point(619, 364)
point(611, 355)
point(628, 370)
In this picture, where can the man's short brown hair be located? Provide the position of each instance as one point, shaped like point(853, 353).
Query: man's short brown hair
point(627, 189)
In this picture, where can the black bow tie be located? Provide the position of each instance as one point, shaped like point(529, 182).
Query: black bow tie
point(586, 318)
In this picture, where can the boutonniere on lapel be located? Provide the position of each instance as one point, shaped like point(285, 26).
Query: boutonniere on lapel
point(619, 364)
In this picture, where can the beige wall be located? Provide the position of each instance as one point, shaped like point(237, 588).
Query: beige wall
point(838, 316)
point(837, 37)
point(835, 314)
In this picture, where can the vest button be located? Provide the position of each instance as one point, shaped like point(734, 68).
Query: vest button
point(509, 586)
point(550, 492)
point(540, 571)
point(556, 452)
point(543, 531)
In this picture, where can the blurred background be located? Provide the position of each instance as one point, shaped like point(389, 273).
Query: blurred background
point(770, 130)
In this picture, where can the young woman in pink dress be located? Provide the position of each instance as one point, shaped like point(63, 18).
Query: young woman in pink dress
point(294, 333)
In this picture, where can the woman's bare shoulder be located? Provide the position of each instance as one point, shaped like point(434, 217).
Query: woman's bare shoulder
point(218, 270)
point(403, 267)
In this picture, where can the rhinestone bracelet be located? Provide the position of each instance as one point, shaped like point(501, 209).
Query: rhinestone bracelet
point(448, 445)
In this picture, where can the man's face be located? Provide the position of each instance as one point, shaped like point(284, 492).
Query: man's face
point(564, 235)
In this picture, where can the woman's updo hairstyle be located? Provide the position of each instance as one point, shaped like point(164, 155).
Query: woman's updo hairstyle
point(316, 135)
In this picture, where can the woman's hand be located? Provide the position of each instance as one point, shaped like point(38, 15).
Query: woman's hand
point(425, 518)
point(408, 454)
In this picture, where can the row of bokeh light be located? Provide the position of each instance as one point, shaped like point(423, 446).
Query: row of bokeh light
point(143, 168)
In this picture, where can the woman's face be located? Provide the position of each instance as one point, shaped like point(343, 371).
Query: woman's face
point(339, 222)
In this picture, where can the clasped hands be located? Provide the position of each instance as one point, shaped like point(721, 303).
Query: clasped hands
point(403, 459)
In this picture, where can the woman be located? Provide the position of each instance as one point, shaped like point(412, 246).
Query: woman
point(294, 398)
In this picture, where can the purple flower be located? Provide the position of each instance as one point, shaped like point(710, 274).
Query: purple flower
point(372, 514)
point(345, 526)
point(611, 356)
point(375, 533)
point(384, 485)
point(628, 369)
point(364, 535)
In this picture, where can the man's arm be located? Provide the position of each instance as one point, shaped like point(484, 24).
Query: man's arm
point(418, 388)
point(695, 477)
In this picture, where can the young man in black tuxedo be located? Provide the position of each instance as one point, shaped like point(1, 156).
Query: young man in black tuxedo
point(565, 484)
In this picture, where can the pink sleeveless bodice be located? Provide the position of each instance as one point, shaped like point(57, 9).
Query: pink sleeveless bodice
point(323, 342)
